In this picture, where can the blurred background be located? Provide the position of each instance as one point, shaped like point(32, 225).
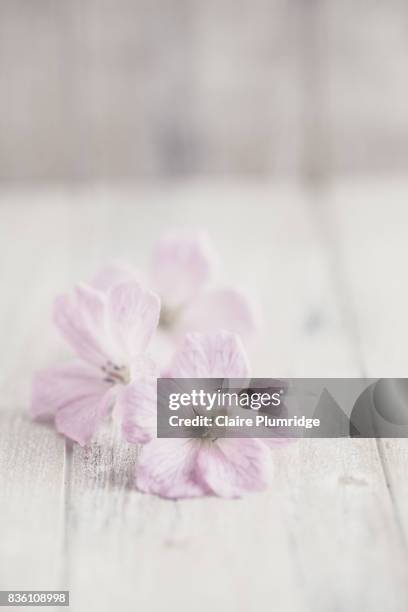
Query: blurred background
point(156, 89)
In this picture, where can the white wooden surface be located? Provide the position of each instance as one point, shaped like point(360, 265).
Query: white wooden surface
point(331, 532)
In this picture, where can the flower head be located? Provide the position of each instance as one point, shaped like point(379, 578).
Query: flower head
point(109, 331)
point(180, 273)
point(182, 268)
point(190, 467)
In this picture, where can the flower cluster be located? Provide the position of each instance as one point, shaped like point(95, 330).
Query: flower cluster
point(124, 336)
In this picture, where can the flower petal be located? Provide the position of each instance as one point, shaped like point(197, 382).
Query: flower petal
point(137, 406)
point(80, 419)
point(210, 355)
point(166, 467)
point(162, 349)
point(231, 467)
point(60, 385)
point(143, 366)
point(80, 319)
point(220, 309)
point(181, 266)
point(133, 315)
point(111, 275)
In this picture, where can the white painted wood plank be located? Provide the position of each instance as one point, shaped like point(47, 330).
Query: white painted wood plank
point(372, 218)
point(32, 505)
point(335, 505)
point(32, 456)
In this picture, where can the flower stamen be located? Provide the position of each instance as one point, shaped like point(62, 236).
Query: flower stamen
point(116, 374)
point(168, 316)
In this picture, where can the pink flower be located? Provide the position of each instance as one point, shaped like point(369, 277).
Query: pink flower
point(190, 467)
point(181, 269)
point(109, 331)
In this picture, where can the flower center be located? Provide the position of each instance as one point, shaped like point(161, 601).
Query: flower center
point(208, 434)
point(169, 316)
point(116, 375)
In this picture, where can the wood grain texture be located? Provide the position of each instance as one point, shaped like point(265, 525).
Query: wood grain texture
point(338, 512)
point(329, 533)
point(365, 84)
point(371, 228)
point(100, 89)
point(32, 505)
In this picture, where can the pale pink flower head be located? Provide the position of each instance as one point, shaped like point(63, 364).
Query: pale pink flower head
point(191, 467)
point(109, 332)
point(181, 271)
